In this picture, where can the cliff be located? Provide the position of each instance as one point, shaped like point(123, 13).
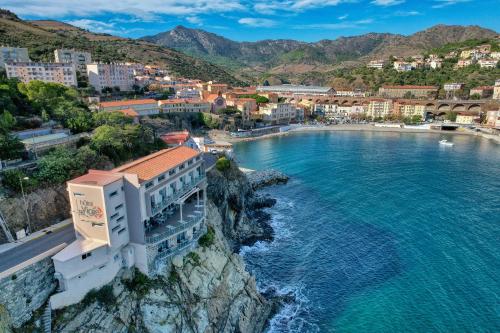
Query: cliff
point(208, 290)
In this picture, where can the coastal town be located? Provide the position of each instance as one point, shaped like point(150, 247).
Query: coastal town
point(159, 135)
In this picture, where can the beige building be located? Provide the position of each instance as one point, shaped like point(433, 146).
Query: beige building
point(246, 106)
point(403, 91)
point(47, 72)
point(183, 105)
point(78, 58)
point(13, 54)
point(277, 113)
point(496, 90)
point(408, 110)
point(140, 214)
point(110, 75)
point(488, 63)
point(465, 118)
point(463, 63)
point(378, 64)
point(483, 92)
point(379, 108)
point(143, 107)
point(493, 119)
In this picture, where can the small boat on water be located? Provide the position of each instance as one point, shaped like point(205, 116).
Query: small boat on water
point(445, 143)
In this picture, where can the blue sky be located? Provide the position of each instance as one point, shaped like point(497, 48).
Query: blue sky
point(243, 20)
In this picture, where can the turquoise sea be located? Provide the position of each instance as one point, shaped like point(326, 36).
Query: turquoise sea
point(381, 232)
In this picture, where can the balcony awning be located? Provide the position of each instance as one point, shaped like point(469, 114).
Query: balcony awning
point(187, 195)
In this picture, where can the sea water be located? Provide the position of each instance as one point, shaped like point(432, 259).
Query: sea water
point(381, 232)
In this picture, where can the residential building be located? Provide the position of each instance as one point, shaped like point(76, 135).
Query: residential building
point(328, 111)
point(291, 89)
point(408, 109)
point(463, 63)
point(217, 102)
point(488, 63)
point(78, 58)
point(496, 90)
point(466, 54)
point(187, 93)
point(453, 86)
point(246, 106)
point(483, 92)
point(143, 107)
point(378, 64)
point(379, 108)
point(407, 91)
point(402, 66)
point(277, 113)
point(466, 118)
point(179, 138)
point(216, 88)
point(140, 214)
point(350, 93)
point(493, 119)
point(110, 76)
point(47, 72)
point(13, 54)
point(435, 63)
point(495, 55)
point(184, 105)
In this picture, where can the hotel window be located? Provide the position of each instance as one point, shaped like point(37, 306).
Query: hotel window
point(115, 228)
point(181, 166)
point(114, 216)
point(112, 194)
point(148, 185)
point(120, 219)
point(119, 206)
point(86, 255)
point(162, 177)
point(121, 231)
point(171, 172)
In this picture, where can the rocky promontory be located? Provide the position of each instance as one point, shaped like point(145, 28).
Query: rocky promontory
point(263, 178)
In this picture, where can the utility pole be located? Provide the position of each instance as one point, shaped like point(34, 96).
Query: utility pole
point(25, 202)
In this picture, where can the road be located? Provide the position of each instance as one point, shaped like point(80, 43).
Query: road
point(28, 250)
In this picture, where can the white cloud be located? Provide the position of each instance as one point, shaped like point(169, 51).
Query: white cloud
point(407, 13)
point(257, 22)
point(101, 27)
point(445, 3)
point(343, 17)
point(387, 3)
point(338, 25)
point(194, 20)
point(274, 6)
point(144, 9)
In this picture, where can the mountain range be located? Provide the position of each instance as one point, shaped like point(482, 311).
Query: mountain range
point(291, 57)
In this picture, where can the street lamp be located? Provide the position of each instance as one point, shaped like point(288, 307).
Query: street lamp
point(25, 202)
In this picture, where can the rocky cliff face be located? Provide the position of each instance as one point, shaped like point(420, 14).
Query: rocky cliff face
point(46, 206)
point(208, 291)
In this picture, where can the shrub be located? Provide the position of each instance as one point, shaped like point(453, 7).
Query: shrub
point(223, 164)
point(103, 296)
point(207, 239)
point(140, 283)
point(195, 258)
point(12, 180)
point(174, 276)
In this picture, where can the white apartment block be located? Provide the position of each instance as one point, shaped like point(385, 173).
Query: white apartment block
point(378, 64)
point(402, 66)
point(78, 58)
point(47, 72)
point(435, 63)
point(379, 108)
point(110, 76)
point(184, 105)
point(143, 107)
point(488, 63)
point(13, 54)
point(140, 214)
point(496, 90)
point(410, 110)
point(187, 93)
point(277, 113)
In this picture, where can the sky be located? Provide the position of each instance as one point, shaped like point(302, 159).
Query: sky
point(244, 20)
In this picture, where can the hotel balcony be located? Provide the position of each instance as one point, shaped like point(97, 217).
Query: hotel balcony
point(174, 221)
point(179, 193)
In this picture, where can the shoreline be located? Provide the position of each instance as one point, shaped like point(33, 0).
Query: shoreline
point(223, 135)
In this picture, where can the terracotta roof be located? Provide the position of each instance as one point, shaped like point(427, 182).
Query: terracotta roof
point(155, 164)
point(128, 102)
point(129, 112)
point(175, 138)
point(172, 101)
point(96, 178)
point(484, 88)
point(409, 87)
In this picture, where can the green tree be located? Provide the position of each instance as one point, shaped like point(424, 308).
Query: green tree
point(10, 147)
point(7, 121)
point(111, 118)
point(59, 166)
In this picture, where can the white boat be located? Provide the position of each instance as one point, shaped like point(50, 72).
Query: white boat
point(446, 143)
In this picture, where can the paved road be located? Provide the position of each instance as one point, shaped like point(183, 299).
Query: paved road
point(35, 247)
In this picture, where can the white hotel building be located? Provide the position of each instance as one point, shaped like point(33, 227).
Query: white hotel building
point(78, 58)
point(111, 75)
point(140, 214)
point(277, 113)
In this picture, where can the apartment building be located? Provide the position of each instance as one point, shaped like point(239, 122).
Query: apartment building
point(188, 93)
point(408, 109)
point(277, 113)
point(377, 64)
point(142, 107)
point(488, 63)
point(493, 119)
point(110, 75)
point(435, 63)
point(404, 91)
point(402, 66)
point(140, 214)
point(482, 92)
point(246, 106)
point(292, 89)
point(13, 54)
point(463, 63)
point(47, 72)
point(379, 108)
point(496, 90)
point(78, 58)
point(183, 105)
point(466, 118)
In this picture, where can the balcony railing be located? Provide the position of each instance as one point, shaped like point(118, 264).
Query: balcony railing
point(176, 195)
point(181, 246)
point(189, 222)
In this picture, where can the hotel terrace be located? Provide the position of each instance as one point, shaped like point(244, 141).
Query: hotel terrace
point(140, 214)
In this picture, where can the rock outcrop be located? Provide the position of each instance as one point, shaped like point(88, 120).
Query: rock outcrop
point(208, 291)
point(46, 206)
point(260, 179)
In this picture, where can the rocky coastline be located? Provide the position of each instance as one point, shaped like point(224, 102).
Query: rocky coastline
point(208, 290)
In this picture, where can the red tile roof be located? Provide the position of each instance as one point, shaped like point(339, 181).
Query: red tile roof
point(409, 87)
point(127, 103)
point(96, 178)
point(155, 164)
point(175, 138)
point(129, 112)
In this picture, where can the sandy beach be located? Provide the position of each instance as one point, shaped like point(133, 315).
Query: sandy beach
point(225, 136)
